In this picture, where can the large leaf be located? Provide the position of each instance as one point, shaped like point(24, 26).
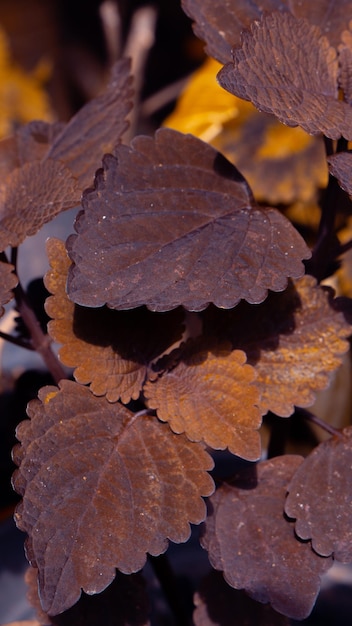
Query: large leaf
point(101, 487)
point(110, 350)
point(320, 498)
point(171, 222)
point(345, 57)
point(8, 281)
point(221, 24)
point(301, 86)
point(294, 340)
point(249, 539)
point(210, 396)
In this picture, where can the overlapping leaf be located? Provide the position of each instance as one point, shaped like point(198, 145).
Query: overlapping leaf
point(281, 164)
point(249, 539)
point(210, 396)
point(294, 340)
point(217, 603)
point(110, 350)
point(221, 24)
point(345, 57)
point(8, 281)
point(45, 168)
point(101, 487)
point(340, 165)
point(285, 66)
point(172, 222)
point(320, 498)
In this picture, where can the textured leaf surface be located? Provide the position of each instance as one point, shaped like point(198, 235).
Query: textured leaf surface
point(217, 603)
point(210, 396)
point(294, 340)
point(102, 487)
point(123, 603)
point(31, 196)
point(281, 164)
point(320, 498)
point(172, 222)
point(285, 66)
point(340, 165)
point(221, 24)
point(97, 128)
point(110, 350)
point(8, 281)
point(345, 58)
point(249, 539)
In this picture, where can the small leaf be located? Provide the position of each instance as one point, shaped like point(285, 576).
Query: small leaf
point(176, 203)
point(249, 539)
point(102, 487)
point(110, 350)
point(294, 340)
point(210, 396)
point(8, 281)
point(340, 166)
point(320, 498)
point(285, 66)
point(217, 603)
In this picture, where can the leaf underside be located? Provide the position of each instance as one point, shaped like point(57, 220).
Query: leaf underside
point(248, 538)
point(87, 468)
point(171, 222)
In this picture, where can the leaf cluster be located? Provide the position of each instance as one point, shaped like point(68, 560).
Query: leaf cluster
point(189, 310)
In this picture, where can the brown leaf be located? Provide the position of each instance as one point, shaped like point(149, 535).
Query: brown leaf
point(110, 350)
point(221, 24)
point(340, 166)
point(172, 222)
point(8, 281)
point(294, 340)
point(320, 498)
point(345, 58)
point(249, 539)
point(217, 603)
point(123, 603)
point(97, 128)
point(102, 487)
point(31, 196)
point(210, 396)
point(300, 87)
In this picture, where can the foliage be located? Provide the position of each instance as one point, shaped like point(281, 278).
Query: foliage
point(195, 319)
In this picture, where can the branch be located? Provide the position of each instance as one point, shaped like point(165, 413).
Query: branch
point(17, 341)
point(319, 422)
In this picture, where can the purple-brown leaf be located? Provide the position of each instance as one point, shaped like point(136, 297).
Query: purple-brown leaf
point(340, 166)
point(171, 222)
point(249, 539)
point(8, 281)
point(101, 487)
point(320, 498)
point(285, 66)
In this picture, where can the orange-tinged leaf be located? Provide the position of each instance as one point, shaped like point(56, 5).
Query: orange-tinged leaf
point(187, 210)
point(320, 498)
point(101, 487)
point(294, 340)
point(110, 350)
point(301, 86)
point(248, 538)
point(211, 397)
point(8, 281)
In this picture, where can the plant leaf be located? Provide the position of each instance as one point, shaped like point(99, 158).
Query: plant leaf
point(175, 203)
point(8, 281)
point(210, 396)
point(101, 487)
point(249, 539)
point(300, 86)
point(320, 498)
point(110, 350)
point(294, 340)
point(97, 128)
point(345, 58)
point(221, 24)
point(340, 166)
point(217, 603)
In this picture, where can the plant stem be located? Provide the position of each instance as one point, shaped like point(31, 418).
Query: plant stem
point(16, 341)
point(278, 435)
point(168, 582)
point(319, 422)
point(40, 341)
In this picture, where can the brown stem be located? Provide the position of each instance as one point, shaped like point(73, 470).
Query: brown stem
point(16, 341)
point(168, 582)
point(319, 422)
